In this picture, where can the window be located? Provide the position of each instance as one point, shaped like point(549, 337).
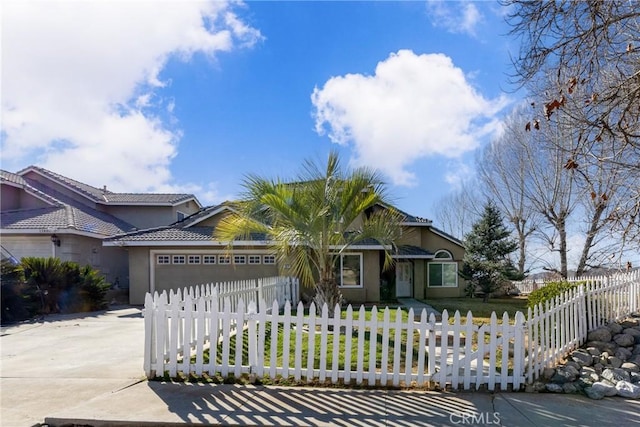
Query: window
point(180, 215)
point(239, 259)
point(349, 271)
point(194, 259)
point(269, 259)
point(208, 259)
point(254, 259)
point(443, 274)
point(164, 259)
point(179, 259)
point(224, 259)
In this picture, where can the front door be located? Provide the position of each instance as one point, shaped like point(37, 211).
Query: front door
point(404, 279)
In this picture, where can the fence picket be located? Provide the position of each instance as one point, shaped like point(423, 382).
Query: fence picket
point(455, 351)
point(348, 327)
point(468, 339)
point(311, 343)
point(373, 345)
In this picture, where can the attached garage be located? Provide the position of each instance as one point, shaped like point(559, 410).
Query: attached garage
point(21, 246)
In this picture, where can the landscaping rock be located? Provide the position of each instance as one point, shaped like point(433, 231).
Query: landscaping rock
point(570, 388)
point(627, 389)
point(615, 328)
point(615, 375)
point(614, 362)
point(623, 353)
point(600, 334)
point(606, 388)
point(608, 365)
point(624, 340)
point(582, 357)
point(554, 388)
point(547, 373)
point(630, 367)
point(594, 351)
point(594, 394)
point(629, 323)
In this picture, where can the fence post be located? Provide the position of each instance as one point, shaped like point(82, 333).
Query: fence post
point(253, 339)
point(260, 293)
point(149, 335)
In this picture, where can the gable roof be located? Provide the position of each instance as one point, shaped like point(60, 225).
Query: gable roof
point(63, 213)
point(106, 197)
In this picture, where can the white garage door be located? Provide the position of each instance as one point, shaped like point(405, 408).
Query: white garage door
point(21, 246)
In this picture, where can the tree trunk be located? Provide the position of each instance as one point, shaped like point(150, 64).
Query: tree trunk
point(327, 292)
point(591, 234)
point(562, 232)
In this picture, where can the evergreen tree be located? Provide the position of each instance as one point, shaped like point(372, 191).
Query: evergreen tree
point(486, 262)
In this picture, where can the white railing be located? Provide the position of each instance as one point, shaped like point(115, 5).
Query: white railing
point(377, 347)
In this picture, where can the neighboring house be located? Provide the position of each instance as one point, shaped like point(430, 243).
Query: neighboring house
point(45, 214)
point(185, 254)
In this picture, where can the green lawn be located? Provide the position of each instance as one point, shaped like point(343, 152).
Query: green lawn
point(481, 310)
point(355, 341)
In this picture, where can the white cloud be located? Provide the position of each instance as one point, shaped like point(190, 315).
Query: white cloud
point(455, 17)
point(414, 106)
point(458, 173)
point(80, 79)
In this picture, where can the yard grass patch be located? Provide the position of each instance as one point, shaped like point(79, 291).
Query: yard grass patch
point(481, 310)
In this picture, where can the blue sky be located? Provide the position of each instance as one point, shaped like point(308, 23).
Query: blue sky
point(190, 97)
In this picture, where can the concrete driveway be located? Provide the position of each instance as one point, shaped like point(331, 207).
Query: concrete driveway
point(66, 360)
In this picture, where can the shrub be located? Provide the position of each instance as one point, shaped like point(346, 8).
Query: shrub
point(64, 286)
point(550, 291)
point(17, 302)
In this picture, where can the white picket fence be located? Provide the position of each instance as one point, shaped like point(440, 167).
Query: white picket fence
point(174, 322)
point(560, 326)
point(386, 348)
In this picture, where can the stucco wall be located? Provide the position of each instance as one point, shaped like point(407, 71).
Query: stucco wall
point(15, 198)
point(150, 216)
point(138, 274)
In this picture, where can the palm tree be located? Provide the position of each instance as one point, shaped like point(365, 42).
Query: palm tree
point(314, 219)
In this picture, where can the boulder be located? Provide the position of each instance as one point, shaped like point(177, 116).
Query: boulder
point(615, 375)
point(565, 374)
point(600, 334)
point(627, 389)
point(570, 388)
point(635, 377)
point(630, 367)
point(554, 388)
point(594, 351)
point(594, 394)
point(548, 373)
point(614, 362)
point(606, 388)
point(615, 328)
point(623, 353)
point(629, 323)
point(582, 357)
point(624, 340)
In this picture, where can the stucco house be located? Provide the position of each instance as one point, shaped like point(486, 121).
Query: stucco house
point(185, 253)
point(45, 214)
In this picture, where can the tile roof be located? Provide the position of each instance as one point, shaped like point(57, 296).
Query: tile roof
point(412, 251)
point(65, 213)
point(60, 218)
point(99, 195)
point(176, 234)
